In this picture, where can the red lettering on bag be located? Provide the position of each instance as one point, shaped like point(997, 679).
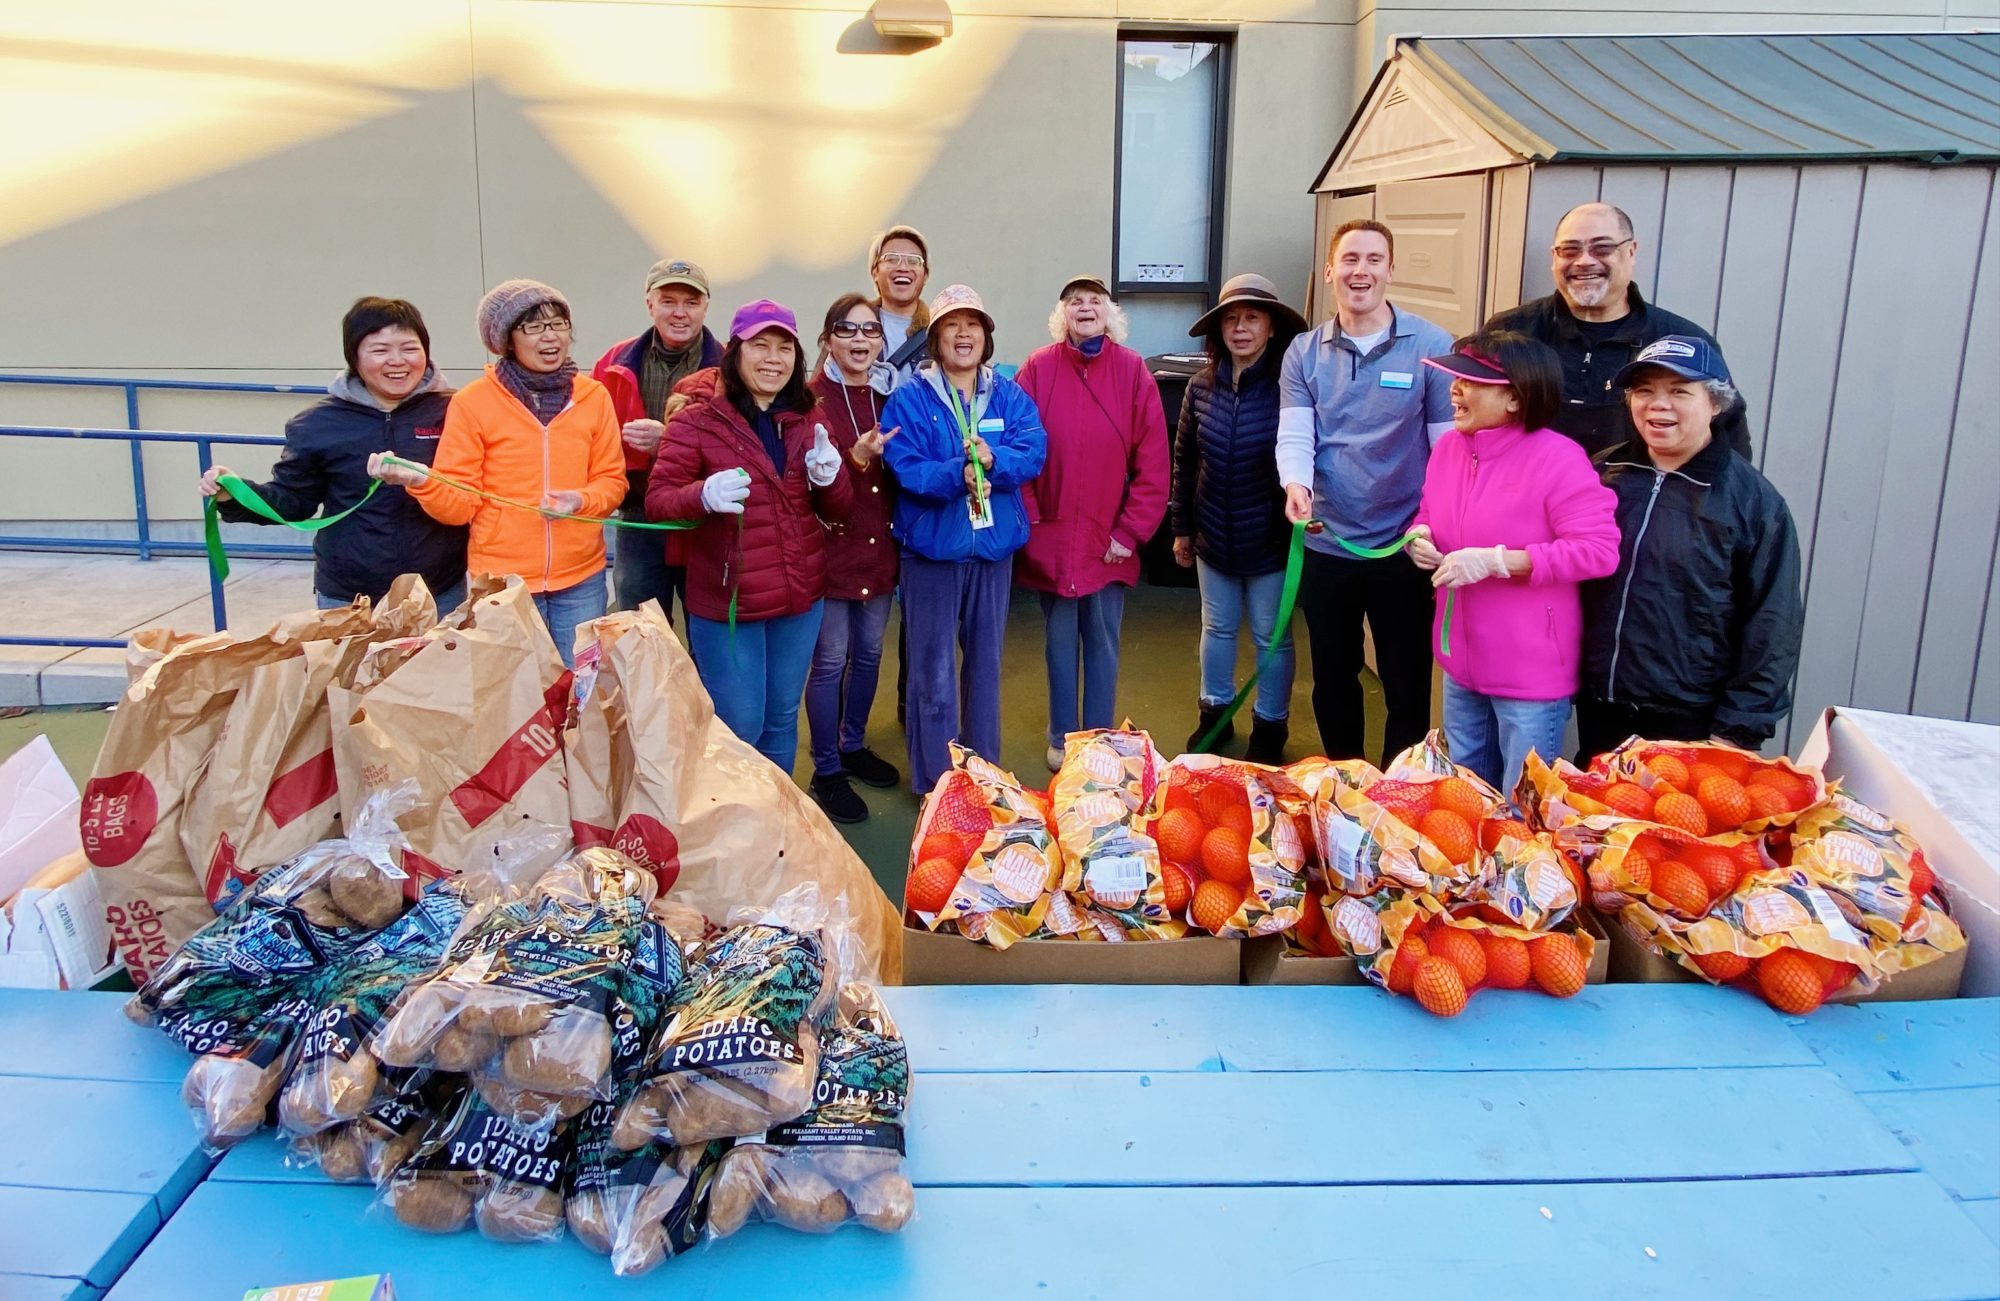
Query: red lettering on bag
point(646, 840)
point(419, 869)
point(221, 867)
point(586, 835)
point(119, 812)
point(520, 757)
point(296, 793)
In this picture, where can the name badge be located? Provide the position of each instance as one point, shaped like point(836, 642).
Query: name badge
point(1397, 379)
point(991, 425)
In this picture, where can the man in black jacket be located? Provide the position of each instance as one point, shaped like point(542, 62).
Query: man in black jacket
point(1696, 636)
point(1597, 323)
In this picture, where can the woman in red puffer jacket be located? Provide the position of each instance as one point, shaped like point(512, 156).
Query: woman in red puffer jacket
point(753, 461)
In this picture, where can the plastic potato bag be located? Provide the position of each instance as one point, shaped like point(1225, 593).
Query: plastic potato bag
point(1103, 796)
point(367, 1148)
point(985, 860)
point(842, 1161)
point(476, 1165)
point(1246, 829)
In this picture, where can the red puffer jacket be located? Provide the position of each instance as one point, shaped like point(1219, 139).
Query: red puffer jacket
point(774, 553)
point(861, 555)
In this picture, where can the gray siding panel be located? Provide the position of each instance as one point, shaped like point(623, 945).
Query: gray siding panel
point(1642, 193)
point(1552, 192)
point(1986, 673)
point(1755, 264)
point(1692, 245)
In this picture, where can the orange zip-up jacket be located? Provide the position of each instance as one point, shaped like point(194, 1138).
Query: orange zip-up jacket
point(493, 443)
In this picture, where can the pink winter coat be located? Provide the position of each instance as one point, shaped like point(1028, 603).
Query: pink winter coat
point(1106, 474)
point(1519, 638)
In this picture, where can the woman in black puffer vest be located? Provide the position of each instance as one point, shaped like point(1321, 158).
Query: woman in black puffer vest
point(1228, 507)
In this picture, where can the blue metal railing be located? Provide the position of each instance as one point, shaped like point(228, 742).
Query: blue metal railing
point(143, 544)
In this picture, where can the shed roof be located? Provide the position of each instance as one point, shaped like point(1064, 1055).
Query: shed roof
point(1924, 97)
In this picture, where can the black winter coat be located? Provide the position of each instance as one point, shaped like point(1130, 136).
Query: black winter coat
point(324, 469)
point(1704, 615)
point(1592, 411)
point(1226, 496)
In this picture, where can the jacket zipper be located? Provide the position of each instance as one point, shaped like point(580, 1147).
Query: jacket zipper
point(1625, 595)
point(548, 525)
point(1464, 500)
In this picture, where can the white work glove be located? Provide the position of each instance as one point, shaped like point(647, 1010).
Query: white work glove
point(1470, 565)
point(822, 462)
point(724, 492)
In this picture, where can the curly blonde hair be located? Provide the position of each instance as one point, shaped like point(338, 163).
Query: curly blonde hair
point(1116, 324)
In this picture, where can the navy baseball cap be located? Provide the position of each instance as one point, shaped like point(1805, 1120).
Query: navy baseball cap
point(1682, 354)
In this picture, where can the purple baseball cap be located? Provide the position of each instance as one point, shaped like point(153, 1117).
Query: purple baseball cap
point(752, 319)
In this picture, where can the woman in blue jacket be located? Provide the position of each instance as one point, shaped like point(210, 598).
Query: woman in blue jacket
point(1229, 508)
point(965, 441)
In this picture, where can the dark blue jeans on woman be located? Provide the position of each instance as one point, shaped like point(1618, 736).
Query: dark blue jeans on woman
point(840, 690)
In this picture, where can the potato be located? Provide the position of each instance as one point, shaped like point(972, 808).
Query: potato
point(340, 1154)
point(459, 1050)
point(695, 1110)
point(525, 1107)
point(302, 1107)
point(405, 1039)
point(570, 1055)
point(736, 1191)
point(643, 1247)
point(513, 1212)
point(434, 1203)
point(350, 1084)
point(885, 1203)
point(590, 1220)
point(849, 1166)
point(230, 1095)
point(365, 892)
point(317, 906)
point(511, 1019)
point(641, 1120)
point(387, 1151)
point(804, 1199)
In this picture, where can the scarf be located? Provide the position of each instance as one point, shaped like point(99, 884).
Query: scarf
point(543, 394)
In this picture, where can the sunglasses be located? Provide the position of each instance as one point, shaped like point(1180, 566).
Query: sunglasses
point(848, 329)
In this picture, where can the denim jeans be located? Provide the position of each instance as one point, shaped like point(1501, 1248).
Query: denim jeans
point(756, 677)
point(640, 563)
point(1082, 632)
point(956, 615)
point(566, 610)
point(840, 690)
point(1492, 735)
point(447, 601)
point(1225, 601)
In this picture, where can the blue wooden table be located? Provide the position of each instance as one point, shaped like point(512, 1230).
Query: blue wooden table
point(1663, 1140)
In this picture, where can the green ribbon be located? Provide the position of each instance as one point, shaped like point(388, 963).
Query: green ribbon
point(1295, 559)
point(969, 432)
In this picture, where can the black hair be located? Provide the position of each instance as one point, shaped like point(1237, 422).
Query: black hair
point(1532, 368)
point(371, 314)
point(792, 397)
point(935, 347)
point(1212, 346)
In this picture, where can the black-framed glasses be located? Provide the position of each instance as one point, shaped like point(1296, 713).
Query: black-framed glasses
point(1570, 250)
point(848, 329)
point(545, 325)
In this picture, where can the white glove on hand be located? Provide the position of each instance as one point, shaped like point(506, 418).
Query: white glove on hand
point(1470, 565)
point(822, 462)
point(723, 492)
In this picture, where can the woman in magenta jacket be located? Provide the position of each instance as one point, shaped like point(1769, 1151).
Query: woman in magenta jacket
point(1101, 493)
point(1513, 520)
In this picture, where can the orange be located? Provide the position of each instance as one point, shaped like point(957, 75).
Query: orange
point(1451, 833)
point(958, 806)
point(1407, 800)
point(1179, 833)
point(1462, 950)
point(1218, 797)
point(1215, 902)
point(1631, 800)
point(1461, 797)
point(1733, 762)
point(1558, 965)
point(1789, 982)
point(1640, 868)
point(1179, 886)
point(1508, 965)
point(1699, 771)
point(1494, 830)
point(1717, 868)
point(1722, 967)
point(1225, 855)
point(1834, 974)
point(1410, 955)
point(1181, 795)
point(1680, 887)
point(1439, 988)
point(1312, 933)
point(1669, 770)
point(1725, 802)
point(1237, 819)
point(1681, 811)
point(929, 888)
point(954, 846)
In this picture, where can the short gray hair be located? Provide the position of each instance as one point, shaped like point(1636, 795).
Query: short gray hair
point(1116, 324)
point(1723, 393)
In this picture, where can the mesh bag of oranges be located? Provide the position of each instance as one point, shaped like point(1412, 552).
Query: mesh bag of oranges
point(985, 860)
point(1236, 841)
point(1102, 795)
point(1415, 946)
point(1697, 787)
point(1417, 826)
point(1523, 879)
point(1877, 871)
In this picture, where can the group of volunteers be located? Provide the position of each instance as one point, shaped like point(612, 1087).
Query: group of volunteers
point(1557, 509)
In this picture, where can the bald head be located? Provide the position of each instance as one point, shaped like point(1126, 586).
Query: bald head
point(1592, 261)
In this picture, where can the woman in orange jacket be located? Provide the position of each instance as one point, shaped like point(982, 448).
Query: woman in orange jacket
point(534, 429)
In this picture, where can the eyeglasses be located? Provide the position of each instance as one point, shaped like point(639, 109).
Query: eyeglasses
point(848, 329)
point(546, 325)
point(1600, 249)
point(911, 261)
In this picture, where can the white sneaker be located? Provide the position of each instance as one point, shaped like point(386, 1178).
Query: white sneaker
point(1054, 757)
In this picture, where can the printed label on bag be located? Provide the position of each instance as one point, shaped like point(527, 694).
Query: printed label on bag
point(1115, 876)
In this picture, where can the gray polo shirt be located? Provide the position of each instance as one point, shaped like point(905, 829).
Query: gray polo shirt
point(1370, 418)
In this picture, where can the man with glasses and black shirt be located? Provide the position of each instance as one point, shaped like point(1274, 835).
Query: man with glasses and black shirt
point(899, 263)
point(1597, 323)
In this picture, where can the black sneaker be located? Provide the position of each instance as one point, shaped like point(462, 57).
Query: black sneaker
point(837, 798)
point(1267, 741)
point(869, 768)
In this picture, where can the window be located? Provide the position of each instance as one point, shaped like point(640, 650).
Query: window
point(1173, 110)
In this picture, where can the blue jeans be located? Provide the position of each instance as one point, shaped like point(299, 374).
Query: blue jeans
point(639, 562)
point(1492, 735)
point(955, 613)
point(840, 690)
point(1225, 601)
point(447, 601)
point(566, 610)
point(1085, 629)
point(756, 677)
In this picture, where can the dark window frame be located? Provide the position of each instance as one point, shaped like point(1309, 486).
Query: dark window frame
point(1224, 39)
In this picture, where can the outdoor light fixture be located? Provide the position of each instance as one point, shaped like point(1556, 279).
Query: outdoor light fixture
point(928, 20)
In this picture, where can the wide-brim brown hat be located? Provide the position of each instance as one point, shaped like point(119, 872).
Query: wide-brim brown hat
point(1252, 290)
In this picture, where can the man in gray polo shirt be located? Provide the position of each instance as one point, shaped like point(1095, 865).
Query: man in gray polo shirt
point(1359, 411)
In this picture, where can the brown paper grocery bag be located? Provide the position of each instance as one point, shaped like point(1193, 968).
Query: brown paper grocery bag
point(472, 712)
point(655, 774)
point(161, 736)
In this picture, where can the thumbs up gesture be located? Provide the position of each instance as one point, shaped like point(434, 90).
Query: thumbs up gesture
point(822, 462)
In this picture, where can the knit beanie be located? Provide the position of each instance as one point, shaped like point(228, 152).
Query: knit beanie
point(506, 305)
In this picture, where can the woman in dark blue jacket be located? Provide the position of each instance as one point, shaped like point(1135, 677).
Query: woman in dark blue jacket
point(961, 442)
point(389, 399)
point(1229, 509)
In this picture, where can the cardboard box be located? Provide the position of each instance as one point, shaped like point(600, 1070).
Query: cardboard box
point(1265, 962)
point(930, 958)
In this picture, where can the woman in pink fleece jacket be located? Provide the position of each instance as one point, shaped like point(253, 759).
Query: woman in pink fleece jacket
point(1513, 519)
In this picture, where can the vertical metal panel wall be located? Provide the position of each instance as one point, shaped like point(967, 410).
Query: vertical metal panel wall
point(1859, 307)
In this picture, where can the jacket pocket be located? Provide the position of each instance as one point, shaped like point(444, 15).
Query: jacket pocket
point(1557, 648)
